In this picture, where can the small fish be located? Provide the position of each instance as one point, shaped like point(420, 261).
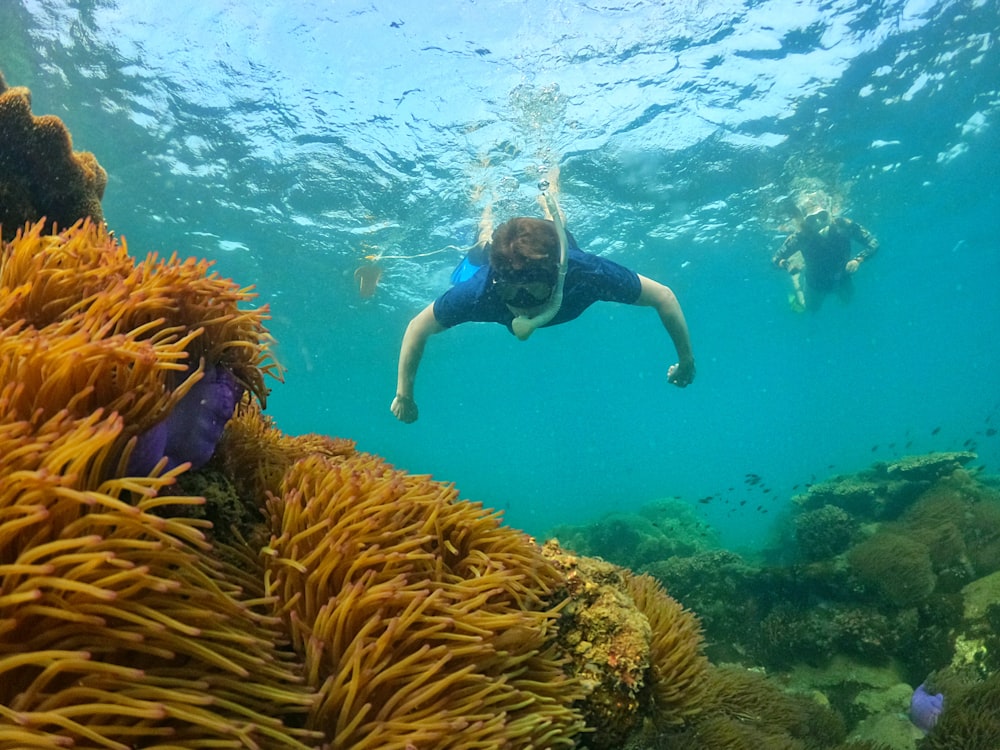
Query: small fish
point(991, 431)
point(935, 431)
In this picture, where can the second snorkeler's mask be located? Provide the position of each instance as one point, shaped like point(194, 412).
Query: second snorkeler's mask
point(817, 220)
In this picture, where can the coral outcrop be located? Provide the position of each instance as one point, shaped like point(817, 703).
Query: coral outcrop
point(40, 174)
point(637, 651)
point(824, 532)
point(883, 491)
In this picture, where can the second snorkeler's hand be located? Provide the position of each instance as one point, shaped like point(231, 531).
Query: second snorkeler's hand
point(852, 265)
point(405, 409)
point(681, 374)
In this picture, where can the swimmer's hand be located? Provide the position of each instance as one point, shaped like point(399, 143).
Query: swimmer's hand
point(405, 409)
point(681, 374)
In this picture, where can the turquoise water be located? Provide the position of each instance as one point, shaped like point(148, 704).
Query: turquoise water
point(287, 141)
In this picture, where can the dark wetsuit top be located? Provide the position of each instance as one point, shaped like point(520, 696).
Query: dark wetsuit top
point(589, 279)
point(827, 254)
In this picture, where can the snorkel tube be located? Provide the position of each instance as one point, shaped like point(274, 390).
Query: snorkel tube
point(524, 325)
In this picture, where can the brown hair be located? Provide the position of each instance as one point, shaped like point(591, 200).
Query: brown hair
point(522, 243)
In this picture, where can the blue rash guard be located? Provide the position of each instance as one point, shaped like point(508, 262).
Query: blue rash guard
point(589, 279)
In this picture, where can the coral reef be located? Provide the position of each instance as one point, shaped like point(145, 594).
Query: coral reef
point(928, 467)
point(875, 581)
point(294, 592)
point(40, 174)
point(886, 489)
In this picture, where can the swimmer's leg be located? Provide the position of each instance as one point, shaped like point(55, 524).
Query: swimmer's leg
point(845, 289)
point(795, 266)
point(797, 299)
point(485, 225)
point(551, 180)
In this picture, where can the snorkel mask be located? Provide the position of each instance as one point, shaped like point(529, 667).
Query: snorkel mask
point(817, 220)
point(523, 325)
point(528, 287)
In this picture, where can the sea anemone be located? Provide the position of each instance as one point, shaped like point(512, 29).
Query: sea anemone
point(896, 566)
point(421, 620)
point(85, 327)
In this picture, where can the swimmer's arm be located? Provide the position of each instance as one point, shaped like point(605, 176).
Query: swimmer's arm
point(662, 299)
point(783, 253)
point(422, 327)
point(862, 236)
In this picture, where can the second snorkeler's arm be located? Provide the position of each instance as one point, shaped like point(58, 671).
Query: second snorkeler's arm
point(787, 250)
point(863, 237)
point(422, 327)
point(661, 298)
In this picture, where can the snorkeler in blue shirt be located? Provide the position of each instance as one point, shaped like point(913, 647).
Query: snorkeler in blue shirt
point(537, 276)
